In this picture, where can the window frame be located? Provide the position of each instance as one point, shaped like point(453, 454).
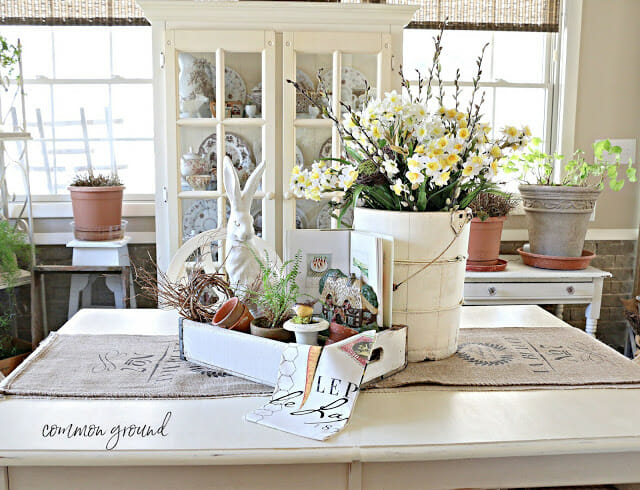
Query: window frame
point(59, 205)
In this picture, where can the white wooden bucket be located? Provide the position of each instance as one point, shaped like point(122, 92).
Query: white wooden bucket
point(430, 301)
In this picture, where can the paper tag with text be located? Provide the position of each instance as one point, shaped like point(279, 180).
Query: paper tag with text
point(315, 397)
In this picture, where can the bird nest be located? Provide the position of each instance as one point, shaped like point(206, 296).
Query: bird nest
point(197, 296)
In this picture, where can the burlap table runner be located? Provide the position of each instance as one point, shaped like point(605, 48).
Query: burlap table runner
point(133, 366)
point(521, 358)
point(120, 366)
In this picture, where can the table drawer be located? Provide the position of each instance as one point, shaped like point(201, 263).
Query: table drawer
point(509, 291)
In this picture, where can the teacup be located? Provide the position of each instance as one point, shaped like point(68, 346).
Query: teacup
point(198, 182)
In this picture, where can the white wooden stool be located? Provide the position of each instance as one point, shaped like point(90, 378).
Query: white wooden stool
point(99, 254)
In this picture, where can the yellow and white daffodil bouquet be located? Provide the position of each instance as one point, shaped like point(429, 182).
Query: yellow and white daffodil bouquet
point(400, 156)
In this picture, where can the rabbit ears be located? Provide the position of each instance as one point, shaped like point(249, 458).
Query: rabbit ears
point(237, 196)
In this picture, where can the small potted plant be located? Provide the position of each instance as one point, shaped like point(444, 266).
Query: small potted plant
point(305, 325)
point(97, 206)
point(274, 297)
point(558, 212)
point(490, 211)
point(14, 252)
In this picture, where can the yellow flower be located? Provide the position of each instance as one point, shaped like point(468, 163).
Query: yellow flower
point(527, 131)
point(468, 170)
point(442, 142)
point(452, 159)
point(463, 123)
point(458, 147)
point(351, 123)
point(463, 133)
point(460, 116)
point(420, 149)
point(495, 151)
point(494, 166)
point(315, 175)
point(511, 131)
point(415, 177)
point(438, 151)
point(376, 132)
point(442, 111)
point(451, 113)
point(433, 166)
point(476, 160)
point(296, 170)
point(397, 187)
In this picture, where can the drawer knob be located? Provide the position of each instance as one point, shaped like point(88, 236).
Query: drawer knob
point(492, 291)
point(571, 289)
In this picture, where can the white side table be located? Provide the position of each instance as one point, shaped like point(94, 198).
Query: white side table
point(521, 284)
point(97, 254)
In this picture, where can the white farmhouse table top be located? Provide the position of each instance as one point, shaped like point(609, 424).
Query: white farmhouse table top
point(429, 426)
point(517, 271)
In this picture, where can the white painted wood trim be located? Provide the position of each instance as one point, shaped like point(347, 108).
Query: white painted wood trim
point(277, 13)
point(595, 234)
point(570, 32)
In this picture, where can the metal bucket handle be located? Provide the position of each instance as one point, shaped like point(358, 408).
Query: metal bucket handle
point(458, 219)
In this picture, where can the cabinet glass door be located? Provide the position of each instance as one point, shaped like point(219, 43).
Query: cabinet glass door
point(344, 66)
point(221, 90)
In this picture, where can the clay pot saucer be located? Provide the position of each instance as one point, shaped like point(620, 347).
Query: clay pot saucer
point(557, 263)
point(500, 265)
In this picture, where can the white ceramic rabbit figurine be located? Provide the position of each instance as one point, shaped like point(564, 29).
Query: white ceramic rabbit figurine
point(240, 263)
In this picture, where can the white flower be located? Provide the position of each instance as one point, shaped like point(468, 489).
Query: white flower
point(442, 179)
point(390, 167)
point(399, 187)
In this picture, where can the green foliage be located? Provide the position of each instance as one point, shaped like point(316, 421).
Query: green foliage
point(14, 251)
point(536, 167)
point(89, 179)
point(279, 290)
point(9, 56)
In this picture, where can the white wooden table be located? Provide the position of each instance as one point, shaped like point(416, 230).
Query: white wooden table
point(409, 440)
point(521, 284)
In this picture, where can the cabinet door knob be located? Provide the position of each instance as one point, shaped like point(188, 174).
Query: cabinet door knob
point(288, 196)
point(571, 289)
point(269, 196)
point(492, 291)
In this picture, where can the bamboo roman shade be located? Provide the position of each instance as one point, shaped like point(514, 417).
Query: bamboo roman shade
point(72, 12)
point(492, 15)
point(487, 15)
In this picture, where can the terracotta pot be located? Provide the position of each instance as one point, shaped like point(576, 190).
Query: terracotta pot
point(484, 240)
point(8, 364)
point(233, 315)
point(97, 209)
point(270, 333)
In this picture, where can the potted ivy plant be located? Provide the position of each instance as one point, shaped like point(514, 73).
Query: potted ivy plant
point(490, 210)
point(15, 251)
point(97, 206)
point(558, 212)
point(274, 296)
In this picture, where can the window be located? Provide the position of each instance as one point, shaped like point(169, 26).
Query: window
point(89, 101)
point(518, 74)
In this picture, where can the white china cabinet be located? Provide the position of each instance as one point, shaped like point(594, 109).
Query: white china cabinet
point(220, 88)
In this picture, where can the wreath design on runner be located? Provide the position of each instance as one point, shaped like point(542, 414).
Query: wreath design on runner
point(485, 354)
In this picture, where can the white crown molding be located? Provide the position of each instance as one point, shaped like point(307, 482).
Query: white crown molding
point(276, 13)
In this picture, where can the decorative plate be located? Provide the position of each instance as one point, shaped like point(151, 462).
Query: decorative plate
point(257, 151)
point(234, 86)
point(353, 83)
point(325, 149)
point(201, 216)
point(302, 104)
point(236, 148)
